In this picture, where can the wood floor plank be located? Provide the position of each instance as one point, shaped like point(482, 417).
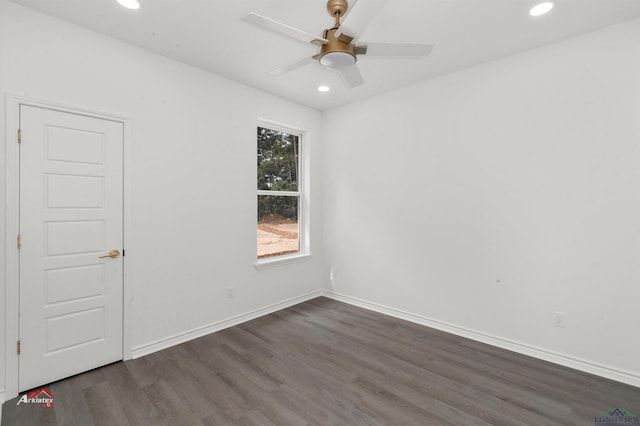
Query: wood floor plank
point(323, 362)
point(205, 376)
point(170, 404)
point(101, 403)
point(75, 412)
point(143, 412)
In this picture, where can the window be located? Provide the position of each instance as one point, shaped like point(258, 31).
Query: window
point(279, 192)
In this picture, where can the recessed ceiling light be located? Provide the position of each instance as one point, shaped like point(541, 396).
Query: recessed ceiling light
point(129, 4)
point(323, 88)
point(541, 8)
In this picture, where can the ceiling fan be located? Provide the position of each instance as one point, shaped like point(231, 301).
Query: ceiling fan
point(338, 45)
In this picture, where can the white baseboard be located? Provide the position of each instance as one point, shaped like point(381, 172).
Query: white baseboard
point(544, 354)
point(176, 339)
point(511, 345)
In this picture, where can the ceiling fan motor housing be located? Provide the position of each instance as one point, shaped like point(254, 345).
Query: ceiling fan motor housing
point(337, 7)
point(336, 53)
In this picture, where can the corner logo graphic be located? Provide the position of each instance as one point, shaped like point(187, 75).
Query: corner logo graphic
point(37, 397)
point(617, 416)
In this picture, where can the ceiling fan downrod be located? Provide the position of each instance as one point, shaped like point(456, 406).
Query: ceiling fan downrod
point(337, 8)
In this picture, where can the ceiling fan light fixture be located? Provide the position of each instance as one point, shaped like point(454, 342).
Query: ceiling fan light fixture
point(337, 59)
point(541, 8)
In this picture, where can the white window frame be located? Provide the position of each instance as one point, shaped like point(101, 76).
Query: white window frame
point(302, 193)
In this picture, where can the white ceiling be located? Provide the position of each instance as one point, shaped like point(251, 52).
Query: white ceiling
point(211, 35)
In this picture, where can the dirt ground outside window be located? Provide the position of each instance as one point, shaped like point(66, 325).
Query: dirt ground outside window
point(277, 236)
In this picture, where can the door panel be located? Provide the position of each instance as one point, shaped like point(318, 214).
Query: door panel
point(70, 215)
point(81, 192)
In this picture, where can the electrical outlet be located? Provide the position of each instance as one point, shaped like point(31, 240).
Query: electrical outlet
point(559, 319)
point(229, 292)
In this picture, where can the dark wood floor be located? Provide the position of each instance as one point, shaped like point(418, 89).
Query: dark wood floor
point(324, 362)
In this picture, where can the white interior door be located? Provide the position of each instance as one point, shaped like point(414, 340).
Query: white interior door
point(71, 201)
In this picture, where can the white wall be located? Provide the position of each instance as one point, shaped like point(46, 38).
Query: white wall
point(488, 199)
point(192, 162)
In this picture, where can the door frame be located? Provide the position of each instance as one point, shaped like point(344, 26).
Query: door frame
point(11, 279)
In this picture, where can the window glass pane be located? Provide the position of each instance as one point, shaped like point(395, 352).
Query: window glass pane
point(277, 225)
point(277, 160)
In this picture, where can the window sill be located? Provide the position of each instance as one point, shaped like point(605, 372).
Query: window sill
point(282, 260)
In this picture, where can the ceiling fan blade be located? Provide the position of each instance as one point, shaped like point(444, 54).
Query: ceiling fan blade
point(359, 16)
point(351, 75)
point(284, 29)
point(397, 49)
point(292, 66)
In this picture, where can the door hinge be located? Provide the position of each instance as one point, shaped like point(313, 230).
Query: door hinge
point(18, 347)
point(19, 135)
point(19, 241)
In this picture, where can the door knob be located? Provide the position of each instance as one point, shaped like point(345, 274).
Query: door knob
point(112, 254)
